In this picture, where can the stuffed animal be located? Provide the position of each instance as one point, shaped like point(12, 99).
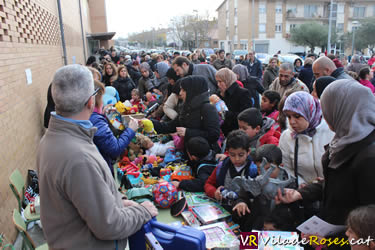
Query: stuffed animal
point(120, 107)
point(148, 126)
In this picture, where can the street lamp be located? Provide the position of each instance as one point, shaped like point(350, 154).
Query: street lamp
point(253, 25)
point(354, 25)
point(196, 32)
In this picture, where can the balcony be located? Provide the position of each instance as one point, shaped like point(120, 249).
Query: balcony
point(314, 16)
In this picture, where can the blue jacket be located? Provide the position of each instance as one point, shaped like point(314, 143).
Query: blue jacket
point(109, 146)
point(250, 170)
point(255, 69)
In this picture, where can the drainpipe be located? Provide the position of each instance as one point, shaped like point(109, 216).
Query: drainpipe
point(82, 33)
point(62, 33)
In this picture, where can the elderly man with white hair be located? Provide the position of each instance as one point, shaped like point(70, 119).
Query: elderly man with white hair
point(81, 207)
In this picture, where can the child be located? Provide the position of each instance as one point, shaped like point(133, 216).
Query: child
point(269, 104)
point(239, 163)
point(136, 100)
point(259, 207)
point(203, 159)
point(282, 218)
point(260, 130)
point(361, 224)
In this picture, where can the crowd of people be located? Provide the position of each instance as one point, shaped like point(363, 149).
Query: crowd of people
point(314, 119)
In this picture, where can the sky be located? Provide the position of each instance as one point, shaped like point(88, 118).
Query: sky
point(128, 16)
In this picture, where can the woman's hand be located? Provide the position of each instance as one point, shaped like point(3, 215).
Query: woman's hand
point(181, 131)
point(218, 195)
point(133, 124)
point(241, 209)
point(291, 195)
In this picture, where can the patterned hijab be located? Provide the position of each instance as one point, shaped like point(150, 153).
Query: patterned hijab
point(308, 107)
point(349, 108)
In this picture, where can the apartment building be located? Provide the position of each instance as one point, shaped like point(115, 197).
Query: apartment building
point(272, 21)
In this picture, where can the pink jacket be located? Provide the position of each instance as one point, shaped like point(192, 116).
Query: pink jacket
point(368, 84)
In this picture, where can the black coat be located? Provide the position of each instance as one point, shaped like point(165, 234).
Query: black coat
point(255, 88)
point(237, 99)
point(107, 80)
point(124, 86)
point(134, 74)
point(349, 186)
point(306, 75)
point(200, 118)
point(202, 170)
point(50, 106)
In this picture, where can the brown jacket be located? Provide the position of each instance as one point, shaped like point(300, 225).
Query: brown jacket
point(297, 85)
point(80, 205)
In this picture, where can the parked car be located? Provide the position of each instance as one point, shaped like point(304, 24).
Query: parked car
point(263, 58)
point(237, 53)
point(290, 58)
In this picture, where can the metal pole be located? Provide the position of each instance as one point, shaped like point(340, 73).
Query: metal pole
point(353, 41)
point(82, 33)
point(329, 27)
point(62, 33)
point(253, 25)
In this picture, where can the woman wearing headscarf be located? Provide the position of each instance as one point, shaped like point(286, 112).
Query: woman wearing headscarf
point(302, 144)
point(320, 84)
point(197, 117)
point(148, 80)
point(348, 162)
point(251, 83)
point(161, 69)
point(236, 98)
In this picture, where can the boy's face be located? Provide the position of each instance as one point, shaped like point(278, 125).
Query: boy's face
point(267, 226)
point(250, 131)
point(275, 172)
point(266, 105)
point(238, 156)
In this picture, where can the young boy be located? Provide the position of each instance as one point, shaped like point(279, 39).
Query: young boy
point(260, 130)
point(203, 159)
point(259, 209)
point(239, 163)
point(269, 104)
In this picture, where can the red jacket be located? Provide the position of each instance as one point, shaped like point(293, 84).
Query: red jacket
point(271, 137)
point(210, 185)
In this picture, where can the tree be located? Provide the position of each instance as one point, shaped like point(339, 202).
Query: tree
point(311, 34)
point(364, 36)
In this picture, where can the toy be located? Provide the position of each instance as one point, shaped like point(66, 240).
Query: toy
point(164, 194)
point(172, 156)
point(135, 179)
point(182, 173)
point(263, 184)
point(165, 171)
point(147, 179)
point(125, 182)
point(120, 107)
point(148, 126)
point(220, 105)
point(153, 148)
point(115, 119)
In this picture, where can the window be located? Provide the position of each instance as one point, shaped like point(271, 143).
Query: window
point(279, 9)
point(235, 4)
point(311, 10)
point(373, 12)
point(235, 12)
point(340, 27)
point(236, 29)
point(340, 8)
point(262, 28)
point(278, 28)
point(262, 8)
point(292, 26)
point(359, 11)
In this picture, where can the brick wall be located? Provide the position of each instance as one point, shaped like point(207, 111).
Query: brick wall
point(29, 38)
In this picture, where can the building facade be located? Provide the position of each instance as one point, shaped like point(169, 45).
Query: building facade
point(272, 21)
point(30, 41)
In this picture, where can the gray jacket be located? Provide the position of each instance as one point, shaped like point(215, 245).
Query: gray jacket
point(208, 72)
point(81, 207)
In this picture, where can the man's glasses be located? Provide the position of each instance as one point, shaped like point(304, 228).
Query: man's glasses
point(93, 94)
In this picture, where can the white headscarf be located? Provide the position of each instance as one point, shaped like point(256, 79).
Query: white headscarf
point(349, 108)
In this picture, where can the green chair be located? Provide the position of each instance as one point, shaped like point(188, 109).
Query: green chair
point(21, 227)
point(17, 184)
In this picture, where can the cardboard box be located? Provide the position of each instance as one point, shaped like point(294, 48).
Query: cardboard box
point(126, 118)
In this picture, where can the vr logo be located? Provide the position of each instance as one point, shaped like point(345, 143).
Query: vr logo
point(249, 240)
